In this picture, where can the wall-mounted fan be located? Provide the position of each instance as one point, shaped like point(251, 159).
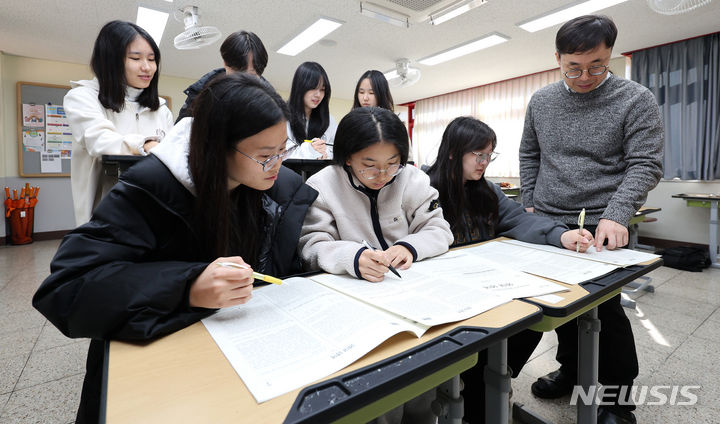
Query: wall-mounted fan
point(675, 7)
point(194, 36)
point(404, 75)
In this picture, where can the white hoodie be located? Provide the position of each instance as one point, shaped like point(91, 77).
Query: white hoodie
point(99, 131)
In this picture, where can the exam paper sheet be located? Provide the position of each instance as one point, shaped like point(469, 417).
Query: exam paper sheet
point(619, 257)
point(447, 288)
point(290, 335)
point(548, 264)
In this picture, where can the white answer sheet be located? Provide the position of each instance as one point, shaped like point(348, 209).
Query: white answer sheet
point(548, 264)
point(619, 257)
point(282, 338)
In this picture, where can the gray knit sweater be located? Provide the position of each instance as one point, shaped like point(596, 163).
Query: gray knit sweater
point(601, 151)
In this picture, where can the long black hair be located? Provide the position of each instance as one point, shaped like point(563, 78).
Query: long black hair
point(475, 199)
point(365, 126)
point(307, 77)
point(380, 88)
point(108, 65)
point(230, 109)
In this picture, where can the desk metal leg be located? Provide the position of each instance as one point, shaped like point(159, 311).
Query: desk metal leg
point(449, 406)
point(497, 384)
point(714, 233)
point(588, 345)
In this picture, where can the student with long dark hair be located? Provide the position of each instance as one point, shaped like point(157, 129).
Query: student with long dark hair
point(477, 210)
point(118, 112)
point(310, 117)
point(213, 190)
point(372, 90)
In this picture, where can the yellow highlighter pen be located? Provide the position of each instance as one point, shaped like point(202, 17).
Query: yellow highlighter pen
point(256, 275)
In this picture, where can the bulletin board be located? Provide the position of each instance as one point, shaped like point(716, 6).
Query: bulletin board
point(44, 136)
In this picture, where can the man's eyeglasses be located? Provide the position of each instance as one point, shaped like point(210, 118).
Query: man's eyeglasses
point(593, 70)
point(372, 172)
point(270, 162)
point(485, 157)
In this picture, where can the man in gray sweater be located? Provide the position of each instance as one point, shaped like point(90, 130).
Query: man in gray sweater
point(592, 141)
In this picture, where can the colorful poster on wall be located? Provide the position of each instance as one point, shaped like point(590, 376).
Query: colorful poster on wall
point(33, 115)
point(33, 140)
point(59, 135)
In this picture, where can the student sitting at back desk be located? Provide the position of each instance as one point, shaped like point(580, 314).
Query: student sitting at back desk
point(478, 211)
point(370, 195)
point(146, 265)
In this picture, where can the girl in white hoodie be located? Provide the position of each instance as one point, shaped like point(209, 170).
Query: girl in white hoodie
point(118, 112)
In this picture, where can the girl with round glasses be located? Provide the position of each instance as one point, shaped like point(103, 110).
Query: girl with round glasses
point(146, 265)
point(369, 194)
point(478, 210)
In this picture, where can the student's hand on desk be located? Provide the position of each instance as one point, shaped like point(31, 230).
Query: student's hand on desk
point(373, 265)
point(570, 238)
point(400, 256)
point(616, 235)
point(530, 209)
point(220, 287)
point(319, 146)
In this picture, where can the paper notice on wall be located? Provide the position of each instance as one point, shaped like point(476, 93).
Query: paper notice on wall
point(33, 115)
point(33, 140)
point(50, 162)
point(59, 135)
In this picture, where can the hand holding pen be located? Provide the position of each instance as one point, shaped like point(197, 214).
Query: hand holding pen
point(222, 286)
point(374, 264)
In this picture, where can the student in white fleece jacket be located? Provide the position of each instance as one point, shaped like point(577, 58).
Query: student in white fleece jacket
point(118, 112)
point(369, 194)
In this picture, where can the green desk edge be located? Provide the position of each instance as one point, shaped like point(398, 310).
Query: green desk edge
point(389, 402)
point(548, 323)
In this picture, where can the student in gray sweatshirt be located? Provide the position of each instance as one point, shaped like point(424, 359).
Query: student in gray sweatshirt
point(593, 141)
point(478, 210)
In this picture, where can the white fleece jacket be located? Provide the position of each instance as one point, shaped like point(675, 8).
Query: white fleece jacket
point(99, 131)
point(408, 213)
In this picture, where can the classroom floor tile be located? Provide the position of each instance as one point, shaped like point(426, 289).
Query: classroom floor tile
point(676, 333)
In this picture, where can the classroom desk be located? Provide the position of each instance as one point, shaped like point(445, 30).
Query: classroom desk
point(581, 302)
point(184, 376)
point(114, 165)
point(639, 217)
point(306, 167)
point(706, 200)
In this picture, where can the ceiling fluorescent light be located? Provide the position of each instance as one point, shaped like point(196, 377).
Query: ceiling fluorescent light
point(385, 15)
point(467, 48)
point(153, 21)
point(566, 13)
point(454, 11)
point(390, 75)
point(311, 35)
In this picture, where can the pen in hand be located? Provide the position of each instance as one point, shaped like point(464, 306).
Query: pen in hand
point(310, 141)
point(581, 224)
point(256, 275)
point(390, 267)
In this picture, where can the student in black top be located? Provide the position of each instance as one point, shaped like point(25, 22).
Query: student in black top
point(477, 210)
point(146, 263)
point(242, 51)
point(372, 90)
